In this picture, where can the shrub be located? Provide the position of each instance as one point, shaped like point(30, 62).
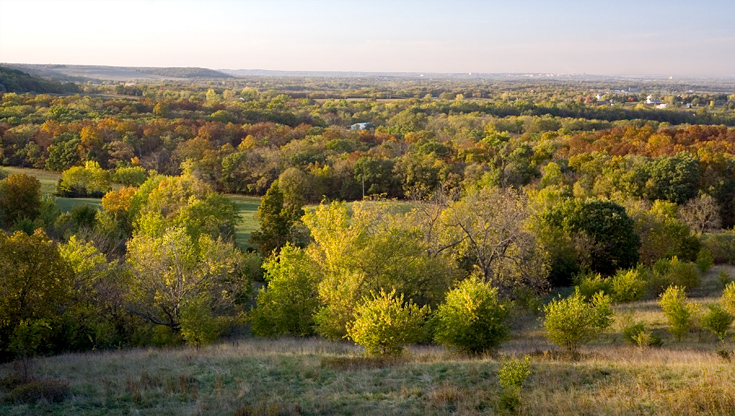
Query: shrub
point(728, 298)
point(628, 285)
point(472, 318)
point(53, 391)
point(678, 311)
point(723, 278)
point(383, 323)
point(704, 260)
point(673, 272)
point(636, 333)
point(572, 322)
point(718, 321)
point(591, 283)
point(721, 245)
point(512, 375)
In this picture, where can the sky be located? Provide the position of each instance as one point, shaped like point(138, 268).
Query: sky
point(694, 38)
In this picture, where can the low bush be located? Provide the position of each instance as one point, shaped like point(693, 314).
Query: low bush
point(589, 284)
point(704, 260)
point(636, 333)
point(717, 320)
point(673, 272)
point(677, 310)
point(728, 298)
point(54, 391)
point(384, 323)
point(573, 321)
point(472, 319)
point(723, 278)
point(721, 246)
point(625, 286)
point(628, 285)
point(512, 374)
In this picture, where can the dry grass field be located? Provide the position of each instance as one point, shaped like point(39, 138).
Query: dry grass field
point(312, 376)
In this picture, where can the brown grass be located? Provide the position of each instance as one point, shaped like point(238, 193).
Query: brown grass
point(292, 376)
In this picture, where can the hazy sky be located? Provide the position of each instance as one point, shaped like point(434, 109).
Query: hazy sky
point(679, 38)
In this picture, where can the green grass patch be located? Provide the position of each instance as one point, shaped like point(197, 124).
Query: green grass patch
point(67, 204)
point(248, 207)
point(48, 179)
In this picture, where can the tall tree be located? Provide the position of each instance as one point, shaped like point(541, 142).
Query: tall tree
point(20, 197)
point(173, 271)
point(277, 218)
point(490, 228)
point(35, 282)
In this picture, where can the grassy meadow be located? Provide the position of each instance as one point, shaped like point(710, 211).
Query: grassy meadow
point(250, 376)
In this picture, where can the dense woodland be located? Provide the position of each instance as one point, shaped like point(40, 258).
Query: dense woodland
point(498, 192)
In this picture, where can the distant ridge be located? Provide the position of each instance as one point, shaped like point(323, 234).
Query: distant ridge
point(83, 73)
point(13, 80)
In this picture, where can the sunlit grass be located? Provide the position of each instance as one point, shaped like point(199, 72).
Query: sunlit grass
point(298, 376)
point(48, 179)
point(247, 207)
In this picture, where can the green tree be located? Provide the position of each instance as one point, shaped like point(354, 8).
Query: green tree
point(130, 175)
point(602, 234)
point(375, 175)
point(184, 201)
point(172, 270)
point(287, 305)
point(365, 252)
point(673, 178)
point(64, 152)
point(90, 180)
point(384, 323)
point(574, 321)
point(490, 229)
point(661, 232)
point(20, 197)
point(95, 314)
point(277, 219)
point(198, 324)
point(472, 319)
point(35, 283)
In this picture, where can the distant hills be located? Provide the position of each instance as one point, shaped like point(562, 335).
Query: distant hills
point(13, 80)
point(84, 73)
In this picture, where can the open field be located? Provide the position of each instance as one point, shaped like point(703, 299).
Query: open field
point(48, 179)
point(248, 207)
point(312, 376)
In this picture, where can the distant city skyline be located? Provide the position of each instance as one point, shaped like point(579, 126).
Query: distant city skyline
point(664, 38)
